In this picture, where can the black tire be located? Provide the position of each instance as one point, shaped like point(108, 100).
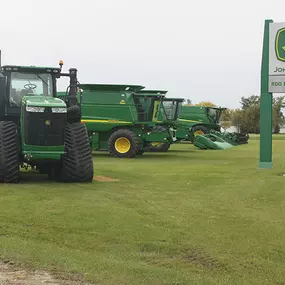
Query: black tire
point(162, 147)
point(130, 137)
point(9, 153)
point(199, 128)
point(77, 163)
point(140, 152)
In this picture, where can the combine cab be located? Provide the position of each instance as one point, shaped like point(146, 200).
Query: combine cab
point(168, 119)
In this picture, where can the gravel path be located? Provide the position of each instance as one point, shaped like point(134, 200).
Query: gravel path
point(11, 275)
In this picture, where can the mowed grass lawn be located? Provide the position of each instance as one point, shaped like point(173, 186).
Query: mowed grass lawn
point(183, 217)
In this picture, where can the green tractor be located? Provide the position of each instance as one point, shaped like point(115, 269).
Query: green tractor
point(39, 130)
point(121, 119)
point(168, 118)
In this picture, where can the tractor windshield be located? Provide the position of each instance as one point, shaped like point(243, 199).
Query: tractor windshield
point(214, 115)
point(171, 109)
point(147, 108)
point(29, 84)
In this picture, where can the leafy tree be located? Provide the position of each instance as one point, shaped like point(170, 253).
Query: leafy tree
point(227, 115)
point(250, 119)
point(247, 102)
point(226, 124)
point(278, 118)
point(237, 118)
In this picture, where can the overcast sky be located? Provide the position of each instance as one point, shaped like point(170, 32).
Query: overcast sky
point(201, 50)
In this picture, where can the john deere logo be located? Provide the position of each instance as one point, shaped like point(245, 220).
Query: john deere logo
point(280, 44)
point(122, 102)
point(47, 122)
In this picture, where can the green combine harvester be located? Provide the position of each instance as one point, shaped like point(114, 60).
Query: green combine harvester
point(201, 125)
point(39, 130)
point(122, 119)
point(197, 124)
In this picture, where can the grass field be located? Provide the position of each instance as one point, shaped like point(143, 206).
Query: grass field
point(183, 217)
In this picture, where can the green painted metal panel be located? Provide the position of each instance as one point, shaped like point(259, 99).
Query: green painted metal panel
point(207, 115)
point(103, 110)
point(111, 87)
point(43, 152)
point(157, 136)
point(265, 160)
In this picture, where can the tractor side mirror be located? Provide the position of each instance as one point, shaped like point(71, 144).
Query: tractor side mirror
point(2, 94)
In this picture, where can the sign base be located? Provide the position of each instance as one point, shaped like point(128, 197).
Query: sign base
point(267, 165)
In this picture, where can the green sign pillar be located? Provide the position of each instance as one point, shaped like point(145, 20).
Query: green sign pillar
point(265, 160)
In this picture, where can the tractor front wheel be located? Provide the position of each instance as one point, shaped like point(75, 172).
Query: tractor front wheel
point(9, 152)
point(123, 143)
point(77, 163)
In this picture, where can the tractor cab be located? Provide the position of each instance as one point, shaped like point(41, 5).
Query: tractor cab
point(29, 84)
point(148, 103)
point(23, 82)
point(33, 89)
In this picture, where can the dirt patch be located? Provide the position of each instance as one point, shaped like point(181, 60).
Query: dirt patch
point(104, 179)
point(10, 274)
point(200, 258)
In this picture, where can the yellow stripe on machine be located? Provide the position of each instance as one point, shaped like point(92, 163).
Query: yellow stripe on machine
point(189, 121)
point(106, 121)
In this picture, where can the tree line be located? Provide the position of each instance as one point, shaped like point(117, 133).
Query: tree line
point(247, 118)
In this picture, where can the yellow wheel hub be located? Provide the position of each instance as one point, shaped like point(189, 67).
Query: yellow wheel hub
point(122, 145)
point(199, 132)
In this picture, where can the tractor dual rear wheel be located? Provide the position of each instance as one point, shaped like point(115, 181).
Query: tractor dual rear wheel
point(77, 163)
point(123, 143)
point(9, 152)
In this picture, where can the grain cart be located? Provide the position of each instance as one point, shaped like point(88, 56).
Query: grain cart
point(121, 118)
point(200, 120)
point(168, 118)
point(39, 130)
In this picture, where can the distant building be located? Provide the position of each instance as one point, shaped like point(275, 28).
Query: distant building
point(282, 130)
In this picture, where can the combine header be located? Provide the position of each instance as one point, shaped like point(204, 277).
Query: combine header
point(203, 123)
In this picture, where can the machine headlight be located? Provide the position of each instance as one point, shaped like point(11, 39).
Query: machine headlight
point(35, 109)
point(58, 110)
